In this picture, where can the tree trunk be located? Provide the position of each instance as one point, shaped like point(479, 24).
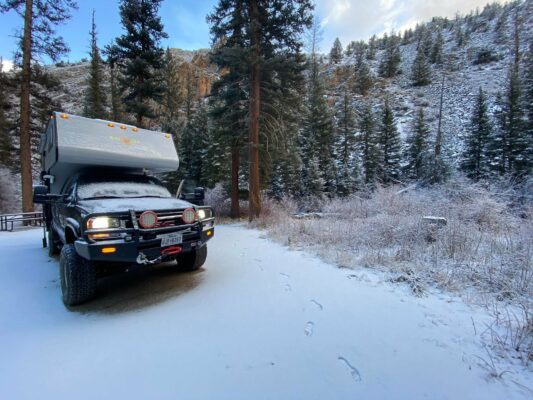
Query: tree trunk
point(235, 161)
point(25, 112)
point(255, 106)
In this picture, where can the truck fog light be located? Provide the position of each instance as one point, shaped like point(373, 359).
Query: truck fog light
point(209, 233)
point(108, 250)
point(189, 215)
point(148, 219)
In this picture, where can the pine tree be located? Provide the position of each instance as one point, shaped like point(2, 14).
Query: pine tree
point(475, 162)
point(417, 154)
point(421, 69)
point(140, 57)
point(371, 52)
point(172, 99)
point(271, 32)
point(6, 143)
point(95, 97)
point(515, 127)
point(528, 96)
point(436, 51)
point(193, 146)
point(111, 53)
point(497, 142)
point(318, 141)
point(390, 62)
point(364, 78)
point(347, 171)
point(38, 38)
point(370, 146)
point(335, 55)
point(390, 145)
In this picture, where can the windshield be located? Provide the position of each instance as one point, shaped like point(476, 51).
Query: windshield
point(121, 189)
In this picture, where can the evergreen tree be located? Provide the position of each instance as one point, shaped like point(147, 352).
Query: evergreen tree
point(390, 145)
point(172, 99)
point(111, 53)
point(515, 127)
point(140, 57)
point(528, 95)
point(372, 46)
point(271, 31)
point(370, 146)
point(436, 50)
point(390, 61)
point(317, 135)
point(335, 55)
point(6, 143)
point(417, 154)
point(497, 142)
point(95, 97)
point(475, 162)
point(347, 171)
point(364, 78)
point(421, 69)
point(193, 146)
point(37, 38)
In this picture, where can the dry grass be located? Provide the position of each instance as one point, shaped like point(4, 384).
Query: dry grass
point(483, 252)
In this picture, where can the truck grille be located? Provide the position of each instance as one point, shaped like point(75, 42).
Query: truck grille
point(166, 218)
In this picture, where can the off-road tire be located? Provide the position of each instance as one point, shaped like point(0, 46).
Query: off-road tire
point(52, 242)
point(192, 260)
point(78, 277)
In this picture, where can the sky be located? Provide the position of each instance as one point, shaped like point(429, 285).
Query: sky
point(185, 21)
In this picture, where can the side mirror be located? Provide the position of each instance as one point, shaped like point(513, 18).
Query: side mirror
point(199, 193)
point(40, 194)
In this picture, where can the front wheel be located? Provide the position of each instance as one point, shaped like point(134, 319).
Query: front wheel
point(78, 277)
point(192, 260)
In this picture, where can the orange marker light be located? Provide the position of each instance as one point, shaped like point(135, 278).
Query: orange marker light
point(209, 233)
point(108, 250)
point(111, 125)
point(122, 126)
point(64, 116)
point(135, 129)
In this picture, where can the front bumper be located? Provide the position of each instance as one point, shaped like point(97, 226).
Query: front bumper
point(128, 252)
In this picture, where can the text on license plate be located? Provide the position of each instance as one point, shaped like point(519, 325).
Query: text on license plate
point(169, 239)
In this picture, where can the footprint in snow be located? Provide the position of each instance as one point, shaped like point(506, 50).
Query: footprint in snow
point(353, 371)
point(317, 304)
point(309, 328)
point(285, 275)
point(288, 288)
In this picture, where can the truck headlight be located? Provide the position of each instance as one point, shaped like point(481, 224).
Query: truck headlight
point(204, 213)
point(102, 223)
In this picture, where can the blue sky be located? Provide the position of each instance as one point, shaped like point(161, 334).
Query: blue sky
point(185, 22)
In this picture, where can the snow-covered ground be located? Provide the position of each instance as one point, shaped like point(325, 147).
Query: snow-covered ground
point(258, 322)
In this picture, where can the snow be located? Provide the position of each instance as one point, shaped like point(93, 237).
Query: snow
point(259, 321)
point(121, 189)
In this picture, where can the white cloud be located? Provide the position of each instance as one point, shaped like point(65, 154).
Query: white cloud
point(7, 65)
point(359, 19)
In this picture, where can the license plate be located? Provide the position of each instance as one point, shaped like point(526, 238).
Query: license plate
point(169, 239)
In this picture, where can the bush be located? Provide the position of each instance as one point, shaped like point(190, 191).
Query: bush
point(485, 56)
point(484, 249)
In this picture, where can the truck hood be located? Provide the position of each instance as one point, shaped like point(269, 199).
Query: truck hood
point(136, 204)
